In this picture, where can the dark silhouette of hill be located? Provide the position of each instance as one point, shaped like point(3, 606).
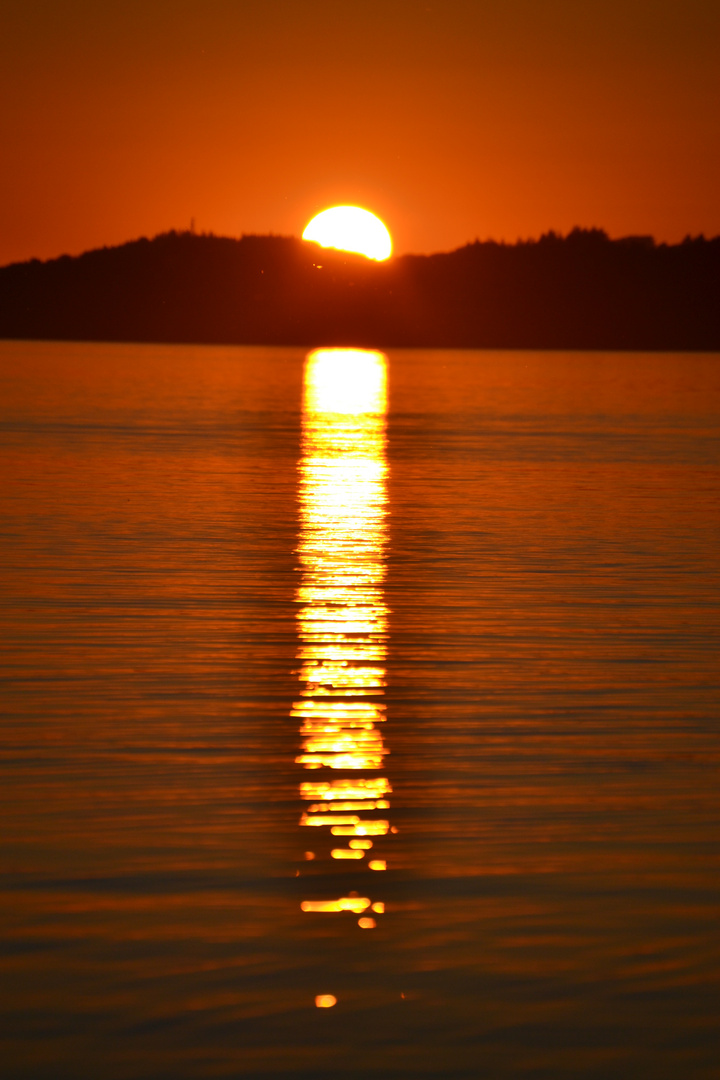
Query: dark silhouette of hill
point(582, 291)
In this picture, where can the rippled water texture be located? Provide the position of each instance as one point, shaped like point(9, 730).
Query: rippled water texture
point(387, 685)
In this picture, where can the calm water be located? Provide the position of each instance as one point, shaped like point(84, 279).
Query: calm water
point(272, 623)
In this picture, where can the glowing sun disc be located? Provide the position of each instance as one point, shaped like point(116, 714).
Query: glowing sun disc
point(349, 228)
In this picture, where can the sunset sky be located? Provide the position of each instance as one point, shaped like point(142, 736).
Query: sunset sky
point(450, 119)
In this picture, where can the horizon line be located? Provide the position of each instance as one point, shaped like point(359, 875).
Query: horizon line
point(595, 232)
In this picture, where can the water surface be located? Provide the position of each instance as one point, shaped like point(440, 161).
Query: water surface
point(483, 588)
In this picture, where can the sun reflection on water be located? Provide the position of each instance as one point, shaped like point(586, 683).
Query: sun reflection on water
point(342, 615)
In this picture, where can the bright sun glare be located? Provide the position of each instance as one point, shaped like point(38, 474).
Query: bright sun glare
point(350, 228)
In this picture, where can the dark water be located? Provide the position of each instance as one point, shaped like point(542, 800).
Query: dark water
point(501, 571)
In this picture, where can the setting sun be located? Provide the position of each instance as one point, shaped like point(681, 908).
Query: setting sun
point(349, 228)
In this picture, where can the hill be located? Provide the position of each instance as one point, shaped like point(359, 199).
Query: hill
point(581, 291)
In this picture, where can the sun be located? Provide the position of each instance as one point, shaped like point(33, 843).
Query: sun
point(349, 228)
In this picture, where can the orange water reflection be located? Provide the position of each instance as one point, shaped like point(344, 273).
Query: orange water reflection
point(342, 615)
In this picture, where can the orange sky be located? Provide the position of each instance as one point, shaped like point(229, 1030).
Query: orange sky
point(451, 119)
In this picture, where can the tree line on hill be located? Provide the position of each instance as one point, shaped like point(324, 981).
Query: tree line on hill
point(581, 291)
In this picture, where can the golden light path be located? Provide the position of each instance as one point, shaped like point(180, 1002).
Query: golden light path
point(350, 228)
point(342, 615)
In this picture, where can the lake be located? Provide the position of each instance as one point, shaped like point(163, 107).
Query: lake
point(388, 679)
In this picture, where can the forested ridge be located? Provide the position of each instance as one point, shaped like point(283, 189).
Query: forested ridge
point(582, 291)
